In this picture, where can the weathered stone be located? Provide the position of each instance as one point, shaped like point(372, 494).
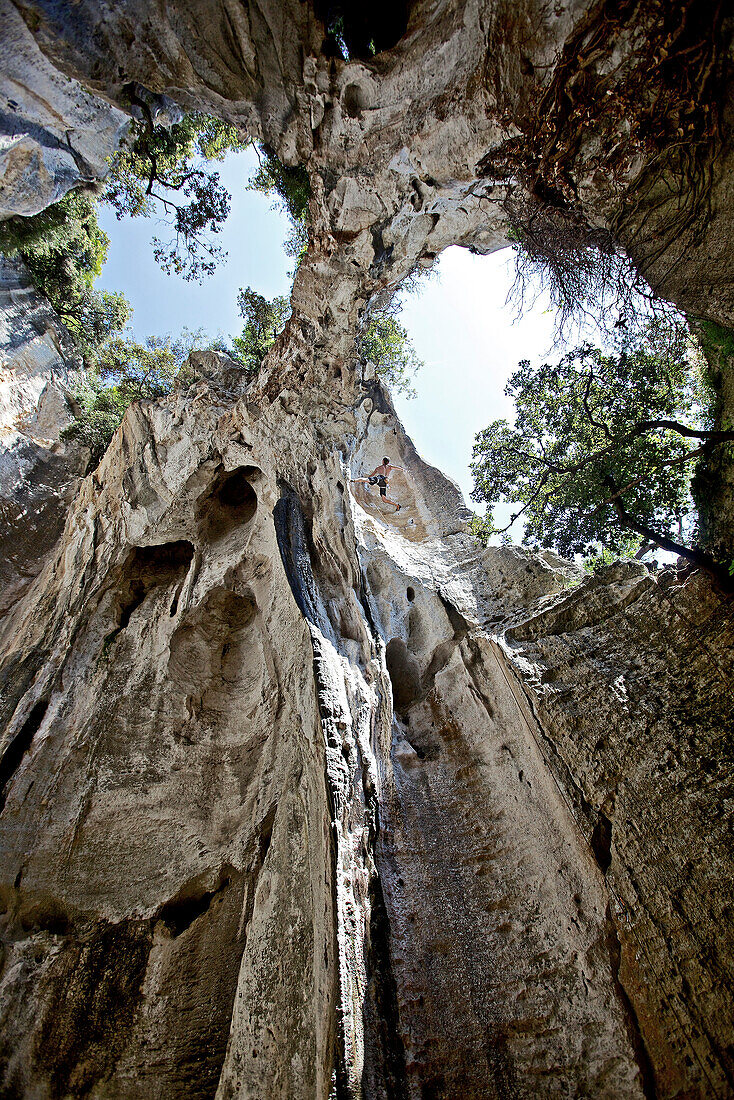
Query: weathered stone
point(54, 134)
point(38, 473)
point(302, 798)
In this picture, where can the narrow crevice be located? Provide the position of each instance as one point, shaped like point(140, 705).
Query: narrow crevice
point(180, 913)
point(146, 568)
point(19, 746)
point(383, 997)
point(294, 545)
point(265, 833)
point(642, 1057)
point(601, 842)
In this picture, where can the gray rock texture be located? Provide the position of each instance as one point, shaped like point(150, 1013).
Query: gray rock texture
point(302, 798)
point(54, 134)
point(38, 472)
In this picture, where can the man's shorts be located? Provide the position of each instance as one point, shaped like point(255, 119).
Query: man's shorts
point(382, 482)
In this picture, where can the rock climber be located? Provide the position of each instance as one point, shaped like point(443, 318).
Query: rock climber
point(379, 476)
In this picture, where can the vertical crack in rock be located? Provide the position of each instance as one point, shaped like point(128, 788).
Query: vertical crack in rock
point(647, 1072)
point(387, 1065)
point(18, 746)
point(601, 842)
point(369, 1040)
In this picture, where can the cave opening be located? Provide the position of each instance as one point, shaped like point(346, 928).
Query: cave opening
point(19, 746)
point(230, 504)
point(361, 31)
point(149, 567)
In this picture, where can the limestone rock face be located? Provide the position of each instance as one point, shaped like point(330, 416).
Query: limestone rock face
point(38, 473)
point(465, 107)
point(301, 798)
point(54, 134)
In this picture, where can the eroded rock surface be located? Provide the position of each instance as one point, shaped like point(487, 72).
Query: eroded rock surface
point(38, 473)
point(304, 799)
point(54, 134)
point(297, 804)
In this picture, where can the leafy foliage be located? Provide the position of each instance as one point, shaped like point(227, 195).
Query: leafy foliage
point(163, 172)
point(385, 342)
point(126, 371)
point(292, 190)
point(599, 453)
point(264, 320)
point(64, 250)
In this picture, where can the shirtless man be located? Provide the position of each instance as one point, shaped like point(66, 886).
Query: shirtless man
point(379, 477)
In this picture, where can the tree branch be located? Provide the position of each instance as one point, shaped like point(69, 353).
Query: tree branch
point(639, 480)
point(596, 423)
point(695, 554)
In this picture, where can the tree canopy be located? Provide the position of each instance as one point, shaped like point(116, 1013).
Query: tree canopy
point(164, 170)
point(601, 451)
point(264, 320)
point(385, 342)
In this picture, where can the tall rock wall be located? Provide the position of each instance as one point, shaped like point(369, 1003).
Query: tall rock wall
point(38, 472)
point(301, 798)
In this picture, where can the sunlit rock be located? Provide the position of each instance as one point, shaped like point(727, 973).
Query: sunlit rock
point(305, 798)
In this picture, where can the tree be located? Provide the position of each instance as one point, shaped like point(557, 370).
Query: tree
point(385, 342)
point(264, 320)
point(126, 371)
point(601, 450)
point(162, 171)
point(292, 190)
point(64, 250)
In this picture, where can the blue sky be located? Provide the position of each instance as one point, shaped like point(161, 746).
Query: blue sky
point(469, 339)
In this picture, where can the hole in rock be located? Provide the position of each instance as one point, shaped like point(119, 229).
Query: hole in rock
point(361, 30)
point(19, 746)
point(405, 676)
point(354, 100)
point(601, 842)
point(410, 593)
point(180, 912)
point(230, 503)
point(48, 915)
point(146, 568)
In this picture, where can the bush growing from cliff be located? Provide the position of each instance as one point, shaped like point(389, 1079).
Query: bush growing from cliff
point(292, 190)
point(385, 342)
point(264, 320)
point(601, 450)
point(126, 371)
point(64, 250)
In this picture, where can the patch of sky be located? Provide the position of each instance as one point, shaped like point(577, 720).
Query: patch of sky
point(469, 338)
point(253, 236)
